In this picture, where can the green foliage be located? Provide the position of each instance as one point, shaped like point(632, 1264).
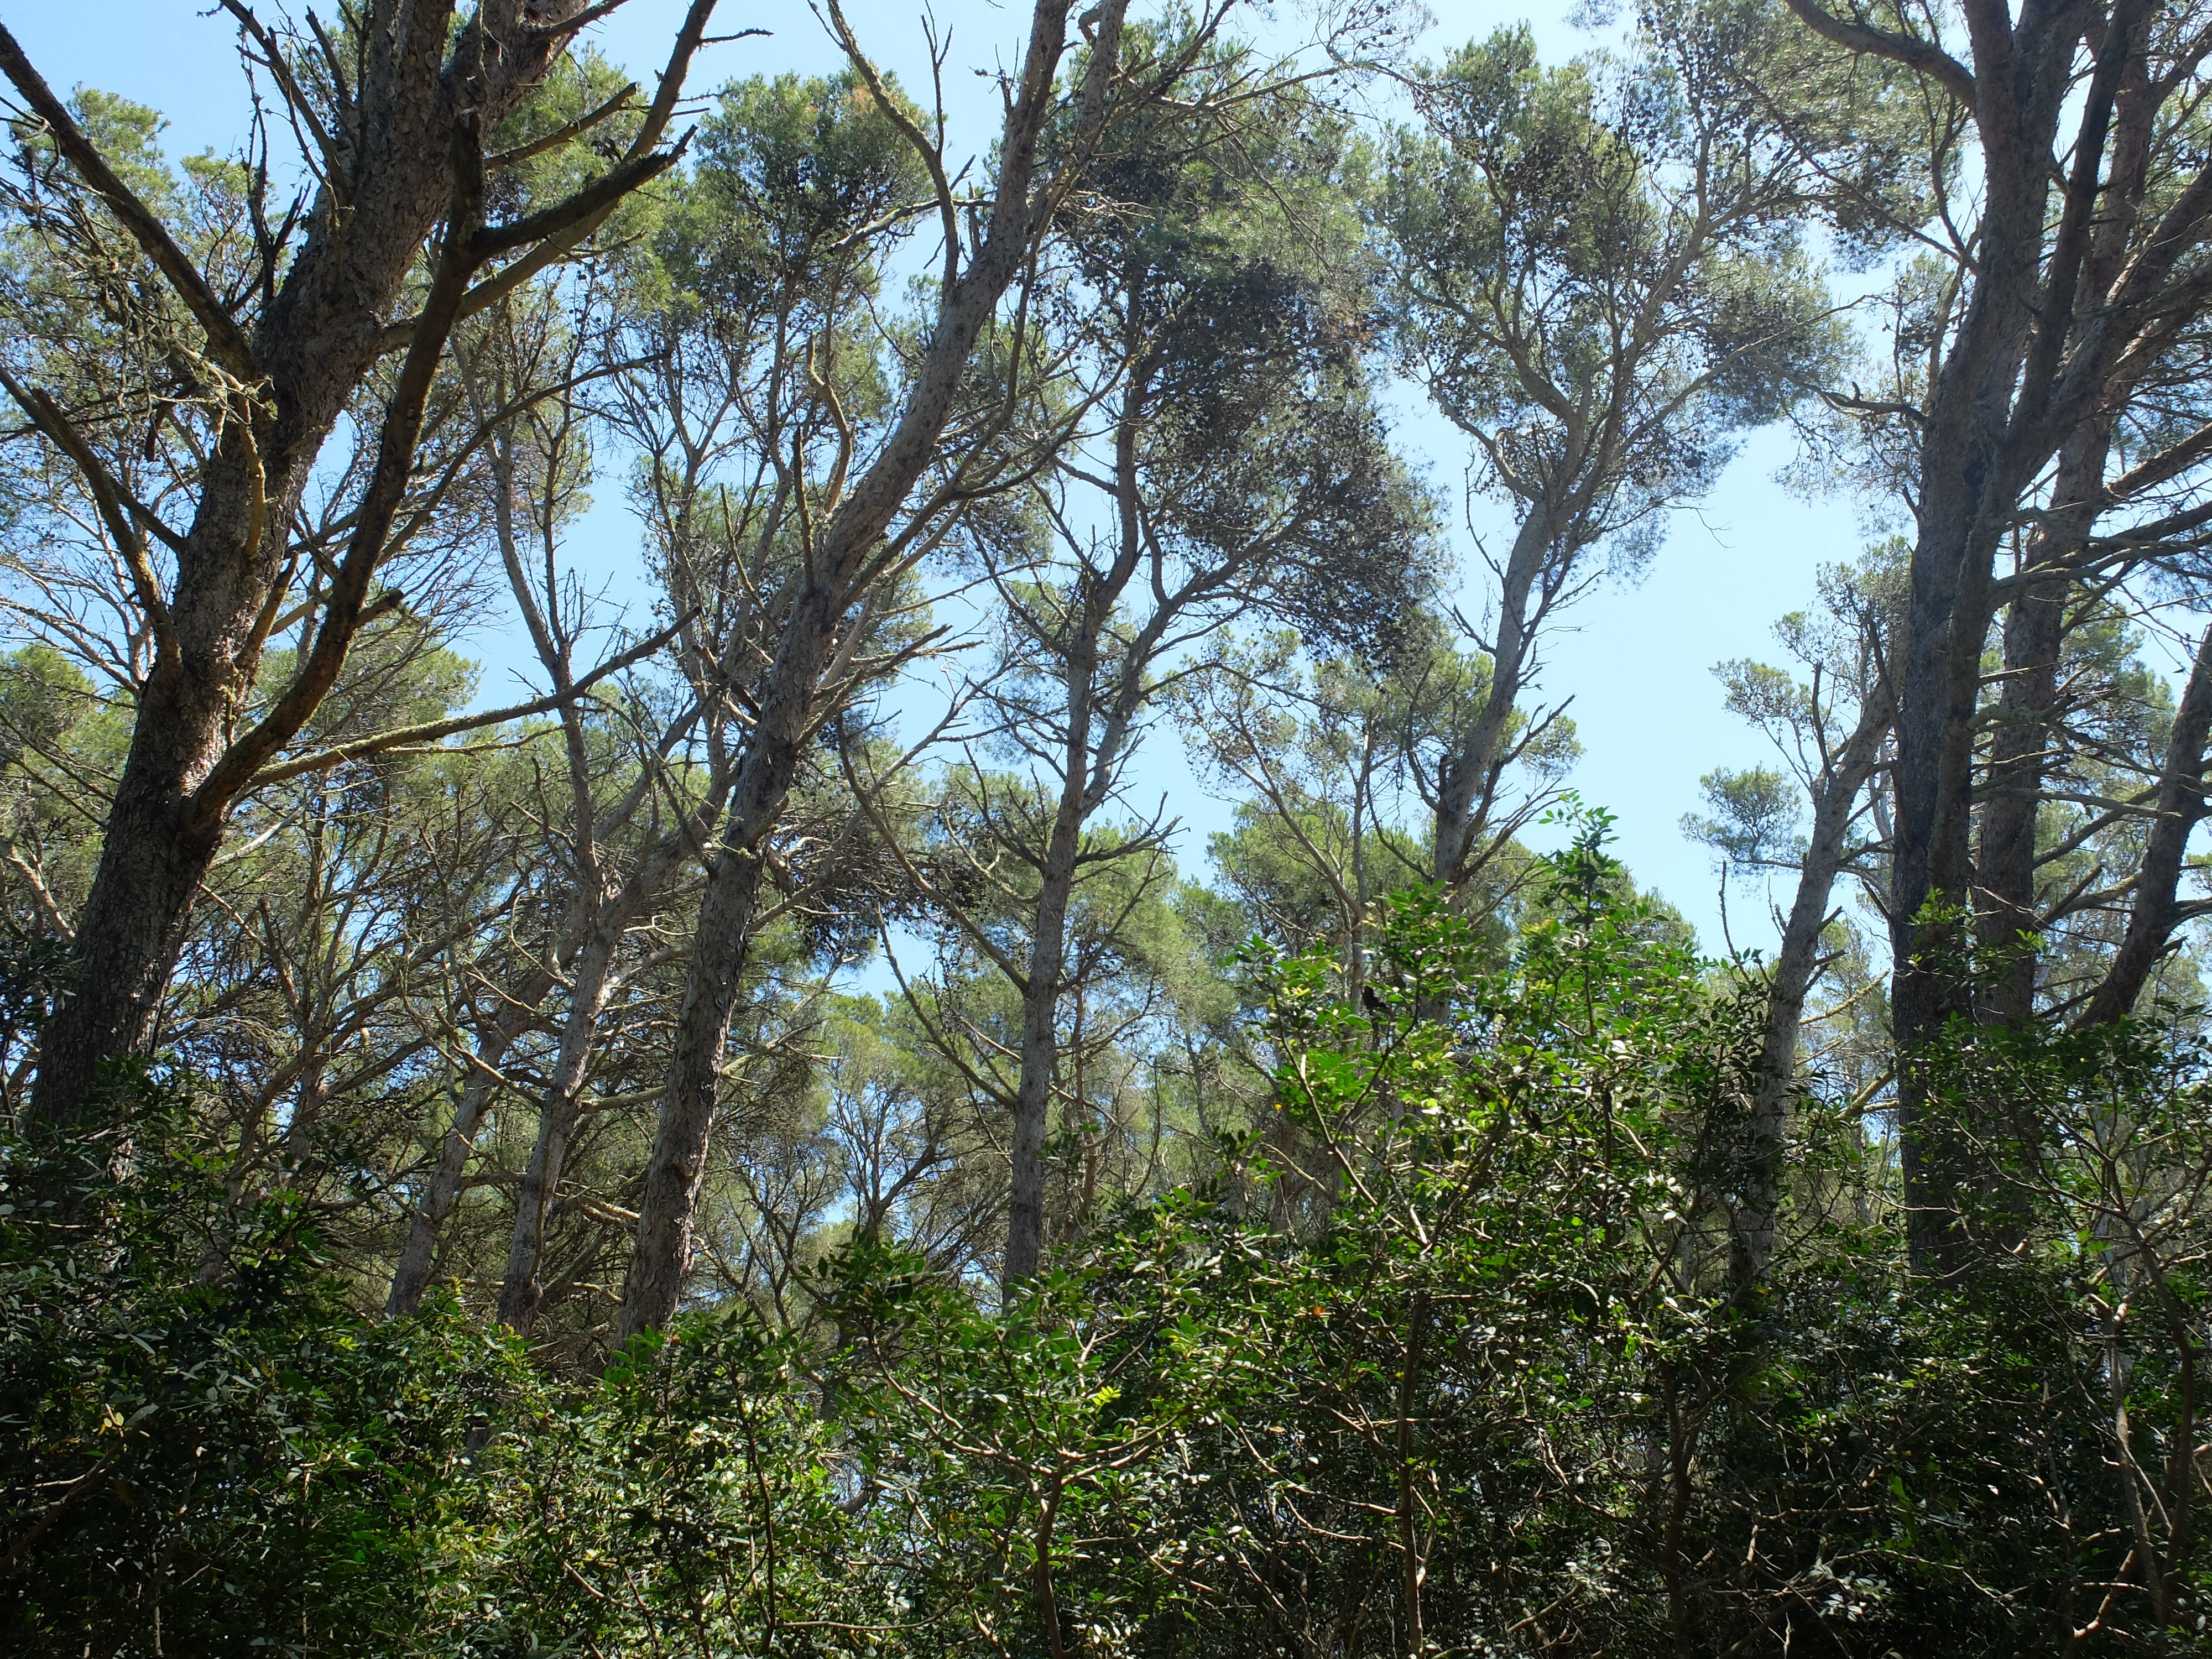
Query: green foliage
point(1599, 278)
point(1497, 1383)
point(795, 177)
point(204, 1450)
point(1425, 1273)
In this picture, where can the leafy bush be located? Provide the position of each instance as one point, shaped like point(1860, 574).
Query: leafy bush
point(1491, 1380)
point(204, 1449)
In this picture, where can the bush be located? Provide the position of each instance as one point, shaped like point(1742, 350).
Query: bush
point(204, 1449)
point(1491, 1382)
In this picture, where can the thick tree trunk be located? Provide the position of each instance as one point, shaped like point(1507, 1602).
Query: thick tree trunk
point(2033, 357)
point(667, 1207)
point(1930, 984)
point(310, 350)
point(1967, 499)
point(720, 944)
point(152, 857)
point(1969, 480)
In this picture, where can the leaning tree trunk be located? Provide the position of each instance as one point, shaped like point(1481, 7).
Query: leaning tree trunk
point(426, 1230)
point(820, 605)
point(1834, 806)
point(1469, 784)
point(520, 1290)
point(721, 941)
point(2155, 909)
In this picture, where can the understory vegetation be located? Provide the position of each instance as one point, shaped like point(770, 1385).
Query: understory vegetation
point(1454, 1350)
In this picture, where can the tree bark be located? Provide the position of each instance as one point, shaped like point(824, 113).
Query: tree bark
point(1041, 1041)
point(1087, 768)
point(1469, 782)
point(520, 1290)
point(2034, 633)
point(326, 324)
point(1985, 435)
point(2020, 752)
point(410, 1278)
point(822, 596)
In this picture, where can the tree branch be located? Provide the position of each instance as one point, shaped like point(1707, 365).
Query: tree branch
point(227, 342)
point(1922, 56)
point(432, 730)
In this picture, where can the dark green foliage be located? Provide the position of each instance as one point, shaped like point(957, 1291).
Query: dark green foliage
point(1499, 1387)
point(204, 1449)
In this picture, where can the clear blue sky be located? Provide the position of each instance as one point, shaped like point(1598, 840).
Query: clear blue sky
point(1637, 659)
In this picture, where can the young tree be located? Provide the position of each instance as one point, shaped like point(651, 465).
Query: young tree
point(1833, 730)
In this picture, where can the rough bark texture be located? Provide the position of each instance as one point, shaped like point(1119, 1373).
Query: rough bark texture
point(425, 96)
point(2021, 742)
point(816, 610)
point(2029, 361)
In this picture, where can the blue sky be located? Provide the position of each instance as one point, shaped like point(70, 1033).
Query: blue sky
point(1637, 659)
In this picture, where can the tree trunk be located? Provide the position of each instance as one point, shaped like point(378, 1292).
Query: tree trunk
point(2033, 357)
point(152, 859)
point(2019, 749)
point(411, 1279)
point(1041, 1004)
point(2021, 741)
point(520, 1290)
point(1968, 483)
point(1834, 804)
point(310, 350)
point(721, 943)
point(660, 1261)
point(1469, 784)
point(824, 594)
point(2155, 909)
